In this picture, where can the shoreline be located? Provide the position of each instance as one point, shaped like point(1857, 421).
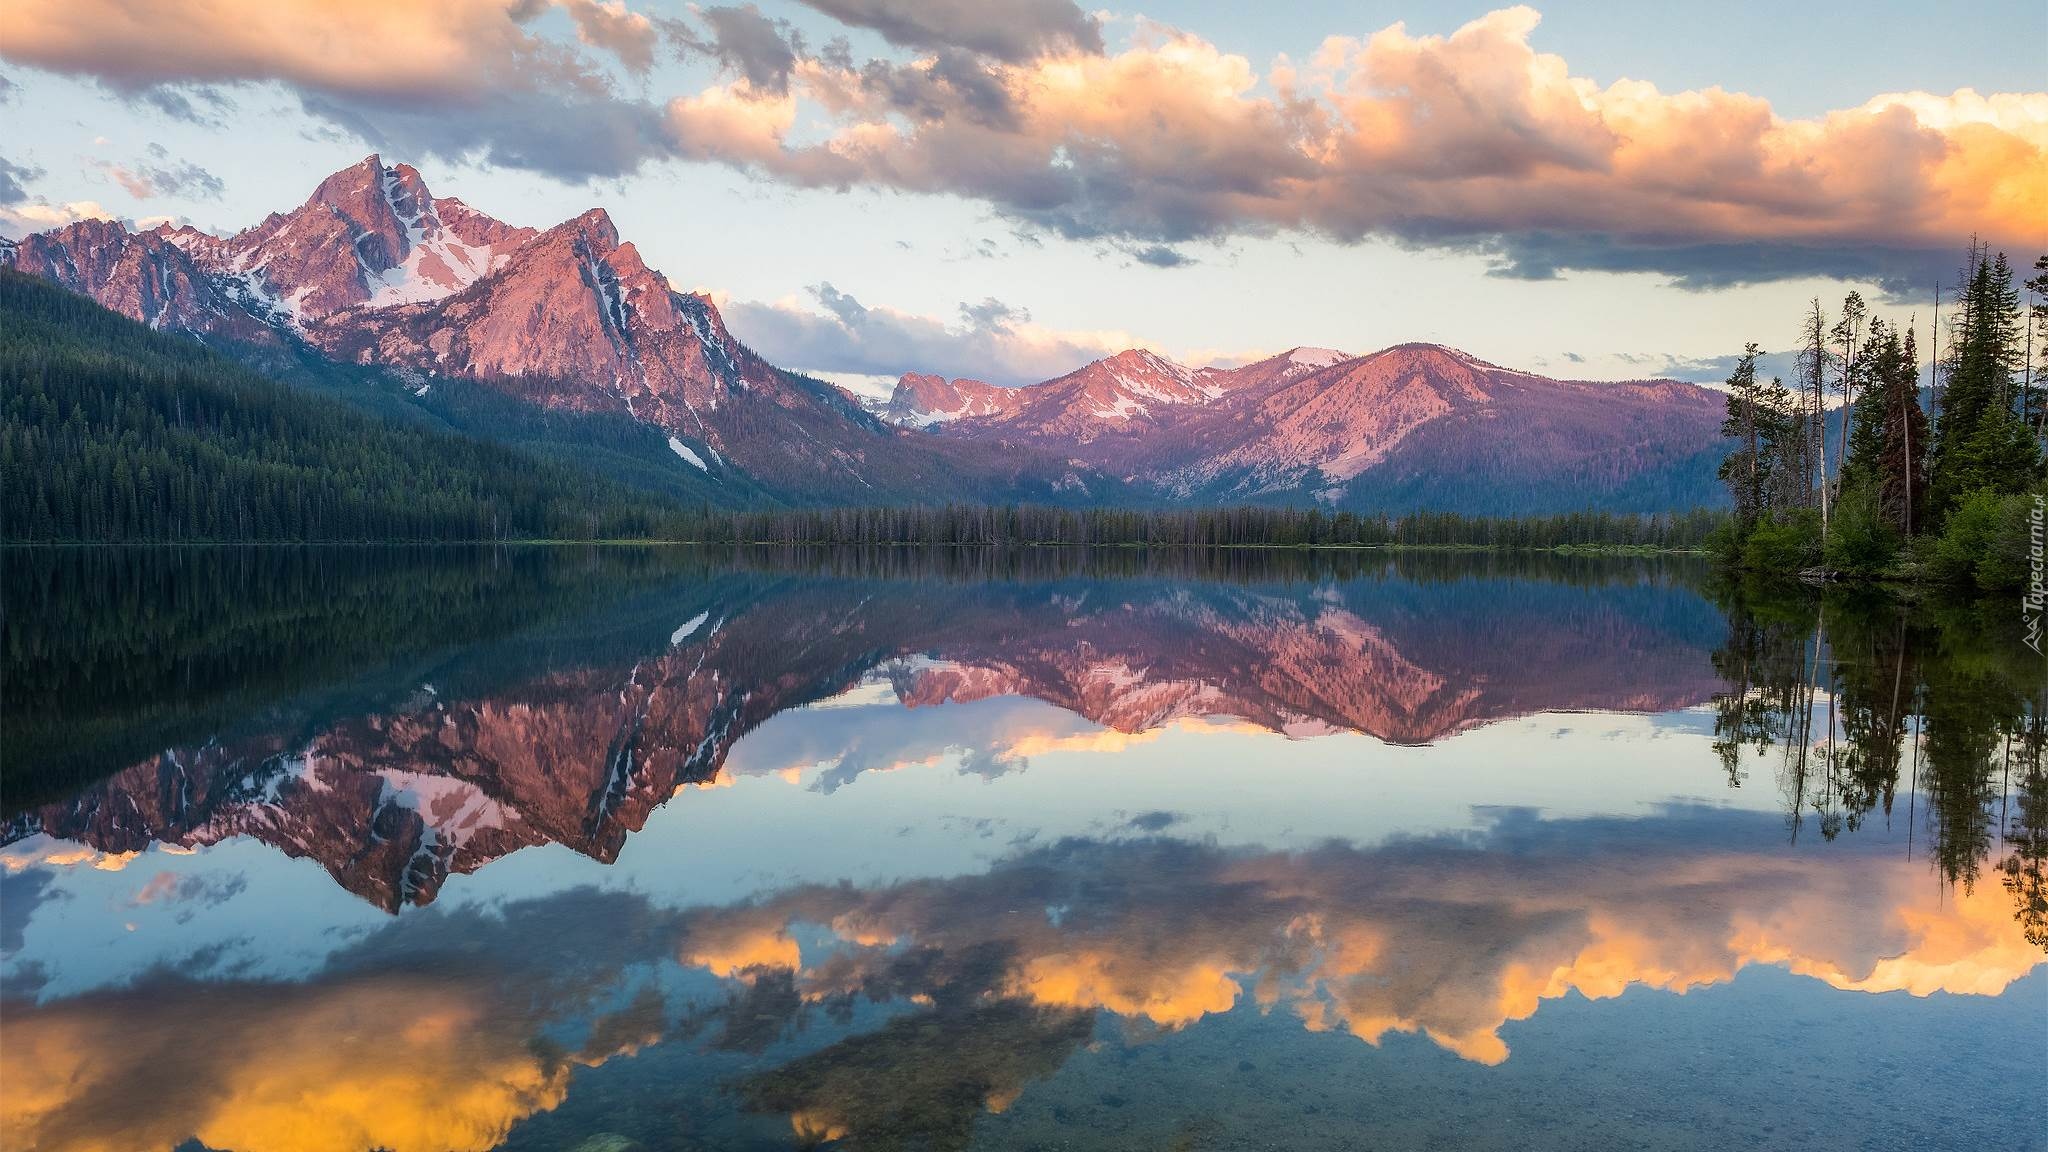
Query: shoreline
point(1626, 550)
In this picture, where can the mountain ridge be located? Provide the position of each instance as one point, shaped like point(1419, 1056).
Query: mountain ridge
point(373, 270)
point(1311, 424)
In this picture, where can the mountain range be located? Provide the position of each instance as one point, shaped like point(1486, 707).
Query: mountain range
point(429, 298)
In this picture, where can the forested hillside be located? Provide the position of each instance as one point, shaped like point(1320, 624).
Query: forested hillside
point(110, 431)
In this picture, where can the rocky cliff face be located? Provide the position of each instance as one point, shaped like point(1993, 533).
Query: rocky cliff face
point(370, 236)
point(144, 276)
point(921, 400)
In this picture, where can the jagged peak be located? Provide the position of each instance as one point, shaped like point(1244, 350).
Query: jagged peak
point(594, 225)
point(348, 184)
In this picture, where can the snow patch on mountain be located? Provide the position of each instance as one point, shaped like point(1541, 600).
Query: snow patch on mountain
point(1316, 357)
point(437, 263)
point(681, 449)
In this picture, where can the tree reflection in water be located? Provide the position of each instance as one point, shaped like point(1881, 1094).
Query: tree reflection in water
point(1849, 695)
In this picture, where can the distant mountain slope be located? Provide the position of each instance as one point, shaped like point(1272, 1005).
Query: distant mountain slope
point(112, 431)
point(1413, 426)
point(373, 270)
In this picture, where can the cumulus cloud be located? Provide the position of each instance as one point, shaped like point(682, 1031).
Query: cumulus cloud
point(1446, 938)
point(1016, 31)
point(463, 78)
point(611, 26)
point(37, 214)
point(1473, 140)
point(832, 332)
point(294, 1065)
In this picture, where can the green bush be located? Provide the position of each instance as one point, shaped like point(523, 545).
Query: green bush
point(1789, 542)
point(1725, 542)
point(1860, 543)
point(1987, 542)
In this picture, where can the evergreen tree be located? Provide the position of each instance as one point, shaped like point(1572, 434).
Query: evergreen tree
point(1851, 368)
point(1769, 443)
point(1981, 443)
point(1888, 440)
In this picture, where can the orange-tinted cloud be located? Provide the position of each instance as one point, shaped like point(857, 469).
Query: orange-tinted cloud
point(464, 78)
point(378, 48)
point(1475, 138)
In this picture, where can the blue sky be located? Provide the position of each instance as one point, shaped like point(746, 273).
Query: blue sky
point(993, 190)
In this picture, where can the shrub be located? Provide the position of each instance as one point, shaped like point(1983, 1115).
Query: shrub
point(1860, 543)
point(1987, 542)
point(1786, 543)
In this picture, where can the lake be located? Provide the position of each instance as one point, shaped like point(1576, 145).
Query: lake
point(612, 848)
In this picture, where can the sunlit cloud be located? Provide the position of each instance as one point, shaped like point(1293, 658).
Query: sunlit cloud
point(39, 215)
point(1473, 140)
point(1476, 140)
point(469, 78)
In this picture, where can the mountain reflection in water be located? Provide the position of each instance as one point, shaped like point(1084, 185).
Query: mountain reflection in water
point(898, 852)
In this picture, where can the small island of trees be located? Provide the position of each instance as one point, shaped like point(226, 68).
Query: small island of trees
point(1845, 474)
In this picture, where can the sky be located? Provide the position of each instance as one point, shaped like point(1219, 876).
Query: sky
point(1600, 190)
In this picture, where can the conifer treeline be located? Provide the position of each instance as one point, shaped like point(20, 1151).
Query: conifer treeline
point(1846, 471)
point(112, 432)
point(1235, 527)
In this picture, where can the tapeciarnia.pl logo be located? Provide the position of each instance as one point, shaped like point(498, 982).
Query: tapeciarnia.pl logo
point(2037, 597)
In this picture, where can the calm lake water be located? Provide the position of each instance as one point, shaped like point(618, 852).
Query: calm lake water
point(336, 849)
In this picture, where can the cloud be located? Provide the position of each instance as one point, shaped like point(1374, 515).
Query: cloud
point(759, 50)
point(147, 181)
point(465, 79)
point(609, 25)
point(404, 1041)
point(23, 891)
point(1016, 31)
point(183, 102)
point(1711, 369)
point(39, 215)
point(1473, 141)
point(833, 332)
point(13, 181)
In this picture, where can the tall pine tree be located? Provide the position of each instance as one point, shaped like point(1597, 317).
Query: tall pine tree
point(1981, 443)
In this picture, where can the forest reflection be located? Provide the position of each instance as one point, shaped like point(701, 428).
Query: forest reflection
point(1848, 698)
